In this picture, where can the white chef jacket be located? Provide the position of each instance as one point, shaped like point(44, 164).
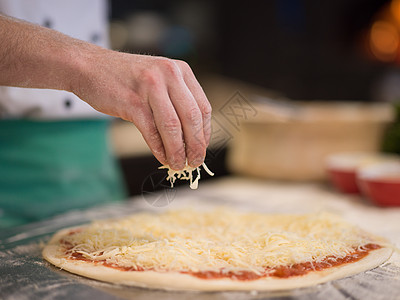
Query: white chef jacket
point(83, 19)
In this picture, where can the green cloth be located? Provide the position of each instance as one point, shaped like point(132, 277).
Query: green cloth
point(47, 168)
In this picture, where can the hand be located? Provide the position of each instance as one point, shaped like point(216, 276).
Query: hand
point(160, 96)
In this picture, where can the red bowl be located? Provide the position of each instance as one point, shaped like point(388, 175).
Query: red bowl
point(381, 183)
point(344, 180)
point(342, 170)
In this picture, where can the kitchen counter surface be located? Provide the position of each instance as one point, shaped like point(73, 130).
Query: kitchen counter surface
point(25, 275)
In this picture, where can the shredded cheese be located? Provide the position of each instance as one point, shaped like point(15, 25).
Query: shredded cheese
point(186, 174)
point(220, 240)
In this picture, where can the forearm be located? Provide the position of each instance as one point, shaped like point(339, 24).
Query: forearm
point(36, 57)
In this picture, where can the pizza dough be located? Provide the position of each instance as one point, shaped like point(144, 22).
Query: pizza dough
point(167, 250)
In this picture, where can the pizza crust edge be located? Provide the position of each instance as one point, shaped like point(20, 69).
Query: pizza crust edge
point(177, 281)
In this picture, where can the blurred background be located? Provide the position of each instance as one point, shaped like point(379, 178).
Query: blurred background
point(304, 49)
point(284, 51)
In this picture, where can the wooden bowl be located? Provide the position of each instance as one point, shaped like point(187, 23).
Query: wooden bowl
point(296, 147)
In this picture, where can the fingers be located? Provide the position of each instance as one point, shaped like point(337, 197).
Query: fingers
point(191, 120)
point(176, 121)
point(144, 121)
point(169, 127)
point(199, 96)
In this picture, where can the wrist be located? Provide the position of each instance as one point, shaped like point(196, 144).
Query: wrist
point(83, 63)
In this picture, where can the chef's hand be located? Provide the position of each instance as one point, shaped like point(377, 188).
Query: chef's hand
point(160, 96)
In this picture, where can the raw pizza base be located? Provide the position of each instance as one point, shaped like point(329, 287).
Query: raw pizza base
point(178, 281)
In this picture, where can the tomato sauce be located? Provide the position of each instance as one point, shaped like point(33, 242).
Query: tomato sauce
point(298, 269)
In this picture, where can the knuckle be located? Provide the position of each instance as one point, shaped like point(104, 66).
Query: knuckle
point(206, 109)
point(170, 67)
point(194, 116)
point(172, 126)
point(150, 77)
point(182, 64)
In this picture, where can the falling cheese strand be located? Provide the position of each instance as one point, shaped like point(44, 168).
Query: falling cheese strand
point(221, 240)
point(186, 174)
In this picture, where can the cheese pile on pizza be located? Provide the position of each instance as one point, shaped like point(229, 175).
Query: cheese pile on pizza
point(217, 250)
